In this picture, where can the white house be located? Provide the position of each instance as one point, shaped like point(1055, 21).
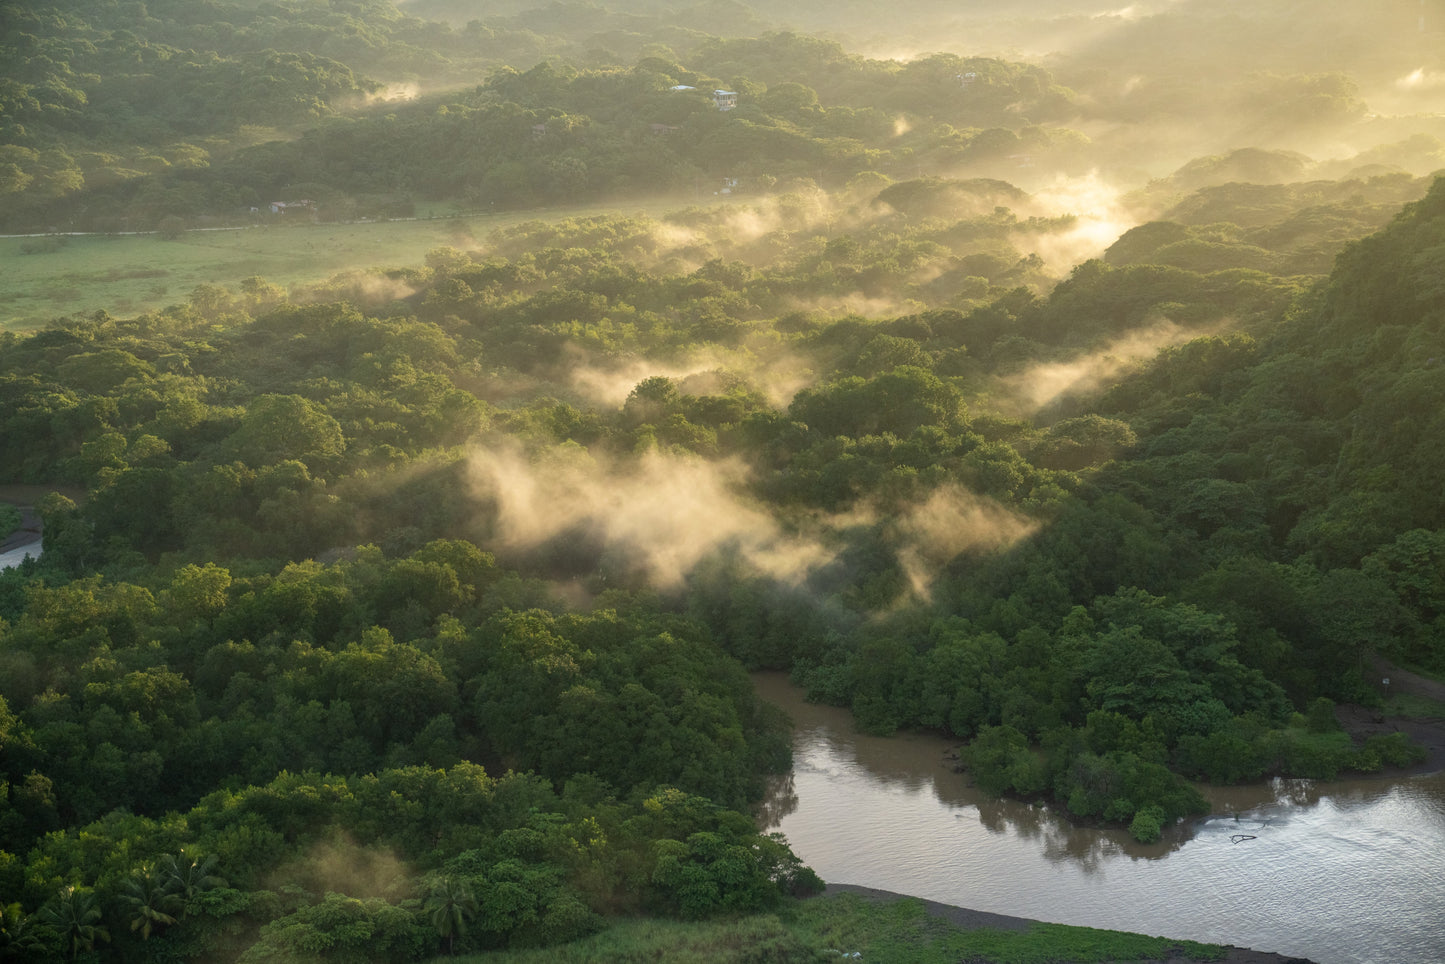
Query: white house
point(725, 99)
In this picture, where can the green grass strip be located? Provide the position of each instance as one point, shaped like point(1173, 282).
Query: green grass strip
point(828, 928)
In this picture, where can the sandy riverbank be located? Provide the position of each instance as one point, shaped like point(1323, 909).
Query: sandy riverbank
point(977, 919)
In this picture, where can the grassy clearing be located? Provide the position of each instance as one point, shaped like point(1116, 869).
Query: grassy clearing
point(54, 276)
point(1414, 706)
point(825, 928)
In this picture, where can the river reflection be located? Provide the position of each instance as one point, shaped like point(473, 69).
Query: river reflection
point(1350, 871)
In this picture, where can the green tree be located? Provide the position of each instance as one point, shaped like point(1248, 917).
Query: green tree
point(343, 929)
point(187, 878)
point(452, 908)
point(74, 913)
point(21, 936)
point(148, 902)
point(277, 428)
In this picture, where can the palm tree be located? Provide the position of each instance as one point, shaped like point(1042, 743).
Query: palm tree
point(148, 901)
point(452, 906)
point(74, 913)
point(185, 877)
point(21, 938)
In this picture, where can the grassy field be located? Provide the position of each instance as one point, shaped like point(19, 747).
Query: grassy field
point(1414, 706)
point(55, 276)
point(831, 928)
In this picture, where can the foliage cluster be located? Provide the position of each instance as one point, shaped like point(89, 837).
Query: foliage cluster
point(293, 681)
point(163, 116)
point(134, 706)
point(118, 123)
point(1171, 613)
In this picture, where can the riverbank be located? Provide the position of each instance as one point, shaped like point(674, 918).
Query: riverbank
point(1361, 722)
point(969, 919)
point(861, 923)
point(1424, 724)
point(24, 541)
point(891, 814)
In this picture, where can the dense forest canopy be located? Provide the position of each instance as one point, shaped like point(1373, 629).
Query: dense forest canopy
point(126, 115)
point(409, 611)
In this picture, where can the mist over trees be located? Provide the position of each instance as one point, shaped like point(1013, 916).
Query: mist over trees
point(409, 611)
point(119, 117)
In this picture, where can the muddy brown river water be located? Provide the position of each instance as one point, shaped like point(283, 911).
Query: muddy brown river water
point(1344, 872)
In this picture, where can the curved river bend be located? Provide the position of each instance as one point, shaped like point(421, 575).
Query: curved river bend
point(1341, 873)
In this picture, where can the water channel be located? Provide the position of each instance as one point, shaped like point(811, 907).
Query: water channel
point(1349, 872)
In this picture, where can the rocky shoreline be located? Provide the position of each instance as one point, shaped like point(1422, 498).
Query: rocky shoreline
point(977, 919)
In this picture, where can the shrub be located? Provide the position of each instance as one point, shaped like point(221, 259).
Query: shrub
point(1147, 824)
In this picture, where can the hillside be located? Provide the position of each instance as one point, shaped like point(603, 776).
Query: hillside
point(407, 611)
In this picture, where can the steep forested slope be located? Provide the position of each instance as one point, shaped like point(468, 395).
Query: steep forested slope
point(1319, 454)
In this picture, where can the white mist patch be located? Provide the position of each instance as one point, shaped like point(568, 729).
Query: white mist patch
point(1135, 11)
point(1421, 79)
point(797, 211)
point(609, 387)
point(670, 237)
point(736, 225)
point(363, 288)
point(367, 288)
point(663, 515)
point(394, 93)
point(1100, 219)
point(1036, 387)
point(342, 865)
point(862, 305)
point(951, 521)
point(779, 376)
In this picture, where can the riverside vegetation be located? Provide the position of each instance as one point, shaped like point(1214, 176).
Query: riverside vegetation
point(409, 611)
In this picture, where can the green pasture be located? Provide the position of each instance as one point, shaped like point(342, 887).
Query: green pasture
point(50, 276)
point(837, 927)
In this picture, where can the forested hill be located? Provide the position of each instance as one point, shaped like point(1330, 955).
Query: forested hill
point(131, 116)
point(1349, 384)
point(116, 117)
point(409, 610)
point(1174, 577)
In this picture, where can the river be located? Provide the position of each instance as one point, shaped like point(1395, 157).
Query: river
point(15, 557)
point(24, 543)
point(1345, 872)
